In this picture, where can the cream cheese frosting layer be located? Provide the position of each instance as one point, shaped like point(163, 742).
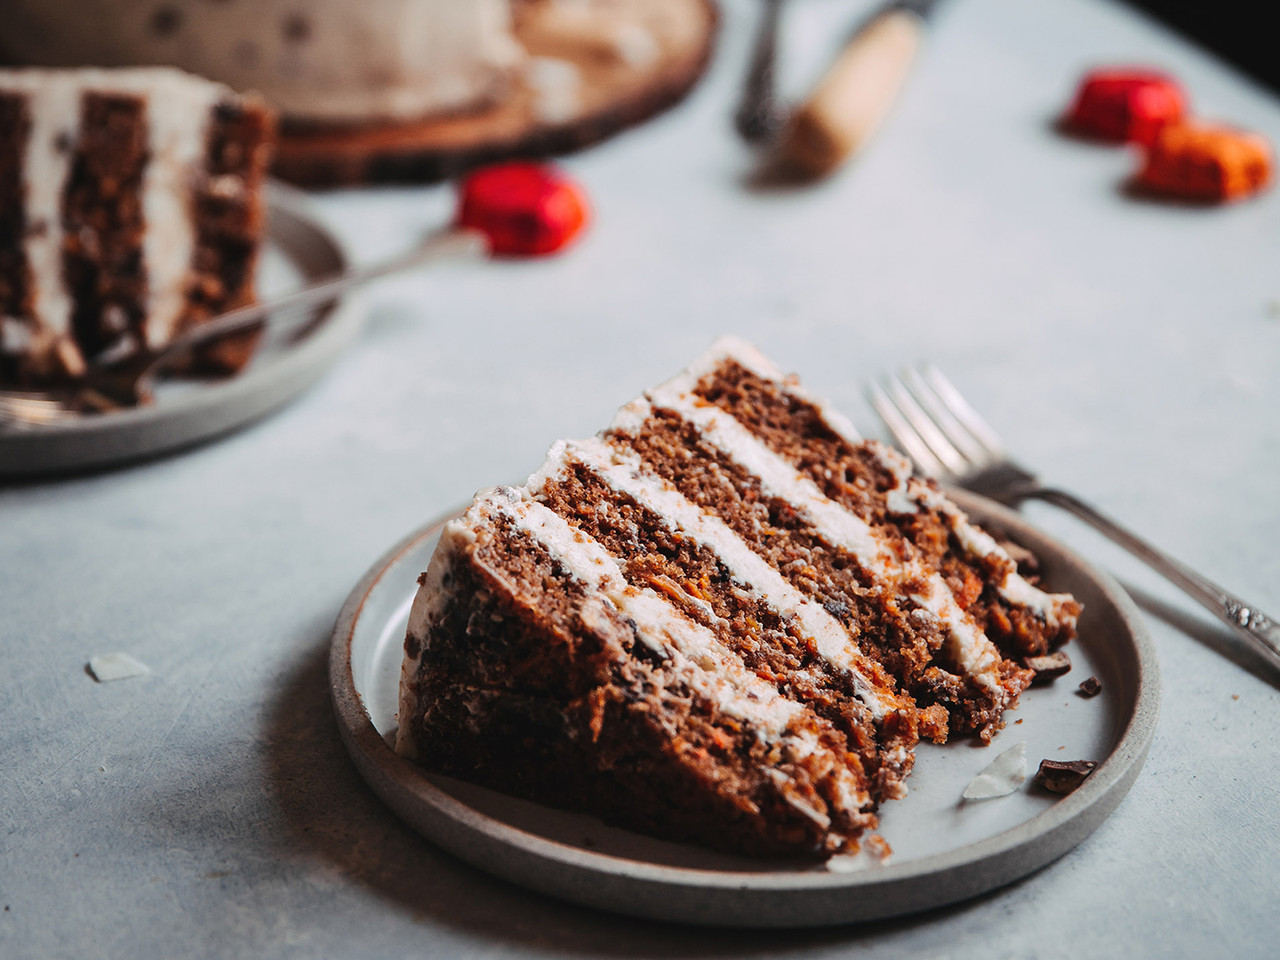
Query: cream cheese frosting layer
point(53, 105)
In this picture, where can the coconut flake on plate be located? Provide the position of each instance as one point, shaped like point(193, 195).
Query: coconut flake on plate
point(116, 666)
point(1001, 777)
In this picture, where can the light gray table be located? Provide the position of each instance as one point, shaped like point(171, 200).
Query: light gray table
point(1129, 349)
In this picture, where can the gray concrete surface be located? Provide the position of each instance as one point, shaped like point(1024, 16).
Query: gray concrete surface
point(1129, 349)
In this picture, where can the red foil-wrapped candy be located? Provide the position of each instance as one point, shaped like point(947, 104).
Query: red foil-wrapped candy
point(1125, 105)
point(1206, 163)
point(525, 209)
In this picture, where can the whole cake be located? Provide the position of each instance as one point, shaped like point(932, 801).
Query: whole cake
point(323, 60)
point(725, 620)
point(130, 209)
point(397, 90)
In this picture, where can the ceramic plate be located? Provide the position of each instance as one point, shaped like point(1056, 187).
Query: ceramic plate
point(945, 849)
point(298, 250)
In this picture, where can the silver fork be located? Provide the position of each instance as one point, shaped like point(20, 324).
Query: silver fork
point(948, 440)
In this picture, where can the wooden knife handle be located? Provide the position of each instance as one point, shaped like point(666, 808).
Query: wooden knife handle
point(854, 96)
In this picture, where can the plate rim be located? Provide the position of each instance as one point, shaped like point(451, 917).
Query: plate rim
point(1066, 822)
point(215, 409)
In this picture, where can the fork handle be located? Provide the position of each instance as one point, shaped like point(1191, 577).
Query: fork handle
point(1258, 630)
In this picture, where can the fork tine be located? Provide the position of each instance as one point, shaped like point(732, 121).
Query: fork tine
point(973, 449)
point(906, 434)
point(936, 441)
point(959, 407)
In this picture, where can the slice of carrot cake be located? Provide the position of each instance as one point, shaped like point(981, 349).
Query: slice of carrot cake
point(726, 620)
point(131, 208)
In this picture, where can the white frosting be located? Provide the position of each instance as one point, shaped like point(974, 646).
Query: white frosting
point(635, 45)
point(53, 105)
point(1001, 776)
point(177, 134)
point(327, 60)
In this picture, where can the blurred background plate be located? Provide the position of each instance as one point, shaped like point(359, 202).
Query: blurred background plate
point(298, 250)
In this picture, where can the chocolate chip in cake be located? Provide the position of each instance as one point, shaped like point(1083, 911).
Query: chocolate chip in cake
point(1063, 776)
point(166, 21)
point(1048, 667)
point(296, 28)
point(1090, 688)
point(838, 609)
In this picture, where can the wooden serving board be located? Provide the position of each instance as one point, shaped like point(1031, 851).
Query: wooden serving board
point(615, 92)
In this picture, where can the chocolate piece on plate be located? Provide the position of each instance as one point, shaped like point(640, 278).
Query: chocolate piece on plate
point(1063, 776)
point(1048, 667)
point(1090, 688)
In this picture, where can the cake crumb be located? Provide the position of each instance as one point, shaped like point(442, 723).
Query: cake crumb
point(1001, 777)
point(1090, 688)
point(874, 851)
point(116, 666)
point(879, 848)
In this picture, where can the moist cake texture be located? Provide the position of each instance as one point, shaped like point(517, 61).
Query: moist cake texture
point(130, 209)
point(725, 620)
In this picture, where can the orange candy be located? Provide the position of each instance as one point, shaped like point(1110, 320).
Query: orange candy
point(1207, 163)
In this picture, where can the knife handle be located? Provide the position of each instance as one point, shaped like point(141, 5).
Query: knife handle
point(852, 99)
